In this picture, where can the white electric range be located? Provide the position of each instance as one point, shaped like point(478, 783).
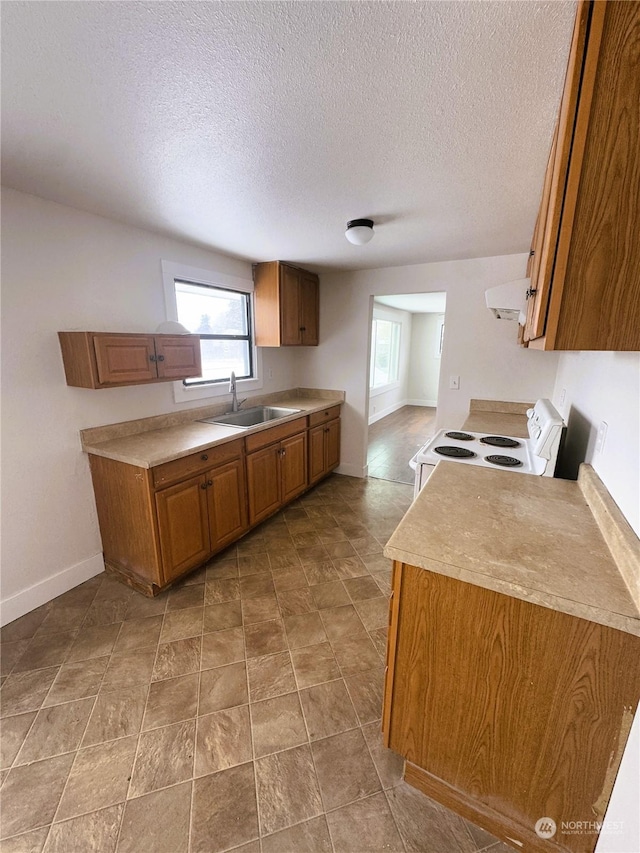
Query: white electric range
point(534, 455)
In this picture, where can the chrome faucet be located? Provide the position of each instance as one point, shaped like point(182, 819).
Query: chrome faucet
point(235, 405)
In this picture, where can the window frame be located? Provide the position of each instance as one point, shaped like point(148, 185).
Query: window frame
point(172, 272)
point(396, 348)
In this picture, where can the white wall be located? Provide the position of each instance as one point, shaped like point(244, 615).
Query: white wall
point(382, 403)
point(65, 269)
point(603, 386)
point(424, 376)
point(477, 347)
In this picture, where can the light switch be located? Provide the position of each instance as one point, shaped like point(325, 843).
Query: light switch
point(454, 383)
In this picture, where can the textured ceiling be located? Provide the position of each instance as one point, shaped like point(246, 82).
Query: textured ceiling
point(260, 128)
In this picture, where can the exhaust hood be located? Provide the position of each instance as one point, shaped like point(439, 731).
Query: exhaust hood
point(509, 301)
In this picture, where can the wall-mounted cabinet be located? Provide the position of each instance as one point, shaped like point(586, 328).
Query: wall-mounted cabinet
point(286, 305)
point(585, 263)
point(110, 359)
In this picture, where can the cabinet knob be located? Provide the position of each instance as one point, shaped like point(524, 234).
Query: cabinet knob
point(532, 253)
point(153, 358)
point(531, 292)
point(203, 485)
point(326, 429)
point(160, 358)
point(204, 457)
point(209, 482)
point(303, 328)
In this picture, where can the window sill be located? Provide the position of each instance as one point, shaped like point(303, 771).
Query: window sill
point(382, 389)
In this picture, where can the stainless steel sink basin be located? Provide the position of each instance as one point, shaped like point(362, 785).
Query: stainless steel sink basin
point(251, 417)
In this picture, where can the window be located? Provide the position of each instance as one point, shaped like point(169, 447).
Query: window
point(222, 318)
point(385, 353)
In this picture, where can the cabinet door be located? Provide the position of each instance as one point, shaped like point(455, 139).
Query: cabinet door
point(263, 482)
point(309, 309)
point(226, 496)
point(183, 526)
point(290, 334)
point(316, 453)
point(332, 445)
point(293, 465)
point(178, 357)
point(122, 359)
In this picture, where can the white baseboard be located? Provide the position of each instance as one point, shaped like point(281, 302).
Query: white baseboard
point(352, 470)
point(33, 596)
point(430, 403)
point(388, 411)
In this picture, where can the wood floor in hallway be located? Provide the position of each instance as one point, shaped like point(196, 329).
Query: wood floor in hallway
point(394, 440)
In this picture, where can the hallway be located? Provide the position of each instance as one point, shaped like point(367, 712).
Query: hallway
point(394, 440)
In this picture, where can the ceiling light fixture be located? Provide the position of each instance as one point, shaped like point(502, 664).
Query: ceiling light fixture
point(359, 231)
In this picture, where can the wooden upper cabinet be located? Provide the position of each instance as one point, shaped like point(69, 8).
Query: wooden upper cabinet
point(105, 359)
point(585, 272)
point(286, 305)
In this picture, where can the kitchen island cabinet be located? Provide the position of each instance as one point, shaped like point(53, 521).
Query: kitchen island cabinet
point(513, 660)
point(585, 258)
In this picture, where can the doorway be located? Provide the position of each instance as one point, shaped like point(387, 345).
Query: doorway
point(407, 336)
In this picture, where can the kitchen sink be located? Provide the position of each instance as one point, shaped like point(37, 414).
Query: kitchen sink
point(251, 417)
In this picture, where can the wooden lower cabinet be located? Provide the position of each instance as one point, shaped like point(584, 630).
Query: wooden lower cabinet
point(507, 711)
point(226, 498)
point(276, 475)
point(324, 449)
point(183, 527)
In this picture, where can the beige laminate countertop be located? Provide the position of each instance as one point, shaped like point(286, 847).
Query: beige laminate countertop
point(167, 442)
point(534, 538)
point(497, 423)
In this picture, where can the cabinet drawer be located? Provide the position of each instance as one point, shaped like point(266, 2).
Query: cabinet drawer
point(270, 436)
point(325, 415)
point(187, 466)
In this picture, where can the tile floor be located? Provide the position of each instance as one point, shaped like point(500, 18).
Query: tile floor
point(238, 711)
point(393, 441)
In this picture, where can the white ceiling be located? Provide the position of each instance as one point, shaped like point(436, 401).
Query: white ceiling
point(416, 303)
point(260, 128)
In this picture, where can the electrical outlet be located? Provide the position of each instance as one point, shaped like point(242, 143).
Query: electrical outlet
point(270, 373)
point(602, 435)
point(563, 396)
point(454, 383)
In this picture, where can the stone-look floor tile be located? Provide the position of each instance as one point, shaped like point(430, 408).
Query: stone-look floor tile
point(13, 732)
point(140, 606)
point(26, 626)
point(185, 596)
point(294, 602)
point(253, 564)
point(425, 826)
point(383, 581)
point(312, 836)
point(29, 842)
point(304, 630)
point(259, 609)
point(77, 681)
point(157, 822)
point(56, 730)
point(225, 813)
point(116, 715)
point(30, 794)
point(331, 594)
point(26, 691)
point(107, 610)
point(45, 651)
point(221, 569)
point(345, 769)
point(171, 701)
point(340, 550)
point(350, 567)
point(366, 689)
point(222, 647)
point(223, 740)
point(265, 638)
point(253, 543)
point(164, 757)
point(361, 589)
point(355, 654)
point(288, 791)
point(332, 534)
point(91, 833)
point(63, 618)
point(270, 676)
point(322, 571)
point(177, 658)
point(483, 839)
point(223, 687)
point(108, 764)
point(195, 578)
point(94, 642)
point(218, 617)
point(307, 539)
point(181, 624)
point(256, 586)
point(290, 579)
point(340, 622)
point(366, 546)
point(282, 559)
point(277, 724)
point(379, 638)
point(389, 764)
point(377, 563)
point(11, 654)
point(220, 590)
point(314, 665)
point(129, 668)
point(374, 612)
point(311, 553)
point(366, 825)
point(327, 709)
